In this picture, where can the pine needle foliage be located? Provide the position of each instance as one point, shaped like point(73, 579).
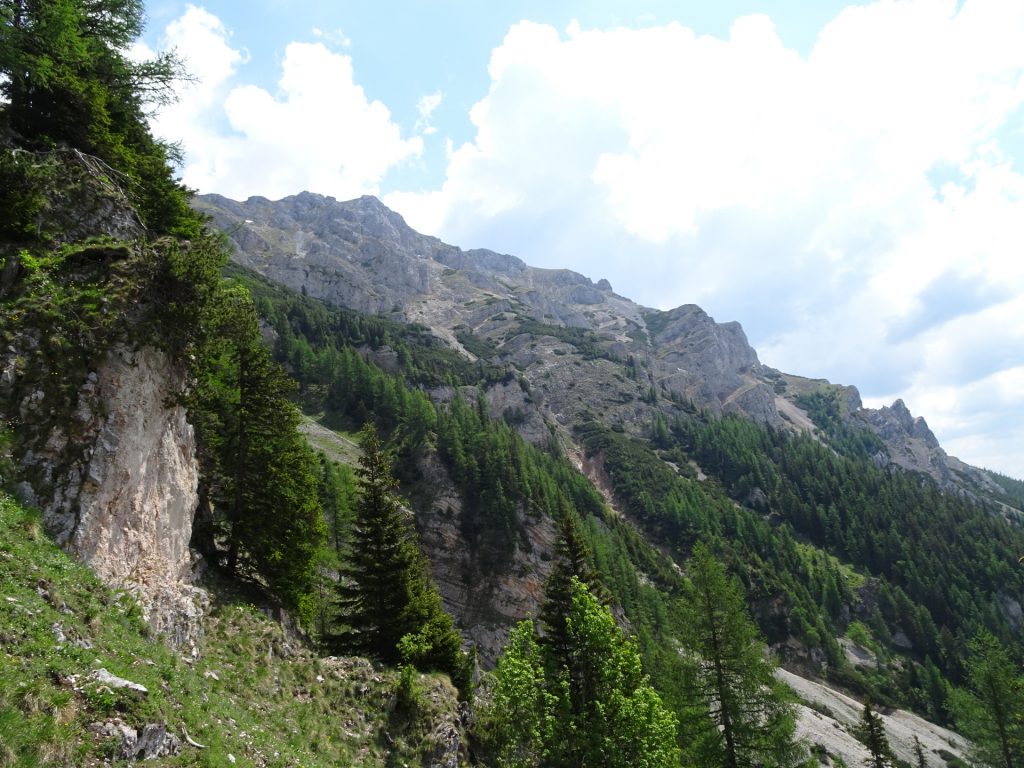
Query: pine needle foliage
point(388, 606)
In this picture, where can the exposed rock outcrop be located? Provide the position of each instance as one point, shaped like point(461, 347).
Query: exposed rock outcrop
point(117, 483)
point(486, 603)
point(103, 449)
point(829, 718)
point(913, 446)
point(361, 255)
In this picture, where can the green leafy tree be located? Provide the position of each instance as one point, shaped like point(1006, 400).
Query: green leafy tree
point(517, 725)
point(871, 731)
point(610, 716)
point(744, 715)
point(989, 713)
point(388, 605)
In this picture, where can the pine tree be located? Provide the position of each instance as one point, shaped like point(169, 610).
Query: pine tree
point(389, 607)
point(872, 732)
point(743, 716)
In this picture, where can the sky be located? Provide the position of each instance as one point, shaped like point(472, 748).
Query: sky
point(844, 179)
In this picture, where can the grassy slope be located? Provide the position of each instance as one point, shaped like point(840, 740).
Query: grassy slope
point(253, 693)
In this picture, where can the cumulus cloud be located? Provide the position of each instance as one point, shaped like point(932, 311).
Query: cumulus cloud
point(858, 208)
point(318, 131)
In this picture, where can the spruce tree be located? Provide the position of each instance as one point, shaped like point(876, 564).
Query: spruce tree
point(572, 560)
point(259, 473)
point(743, 716)
point(388, 605)
point(872, 732)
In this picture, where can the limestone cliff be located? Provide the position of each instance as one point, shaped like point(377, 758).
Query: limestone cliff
point(116, 479)
point(102, 448)
point(582, 348)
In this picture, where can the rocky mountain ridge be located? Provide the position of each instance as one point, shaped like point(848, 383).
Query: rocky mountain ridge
point(581, 349)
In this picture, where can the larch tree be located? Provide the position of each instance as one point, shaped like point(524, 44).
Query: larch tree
point(595, 709)
point(742, 715)
point(67, 82)
point(989, 712)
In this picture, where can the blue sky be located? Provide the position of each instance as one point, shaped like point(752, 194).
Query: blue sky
point(405, 51)
point(844, 180)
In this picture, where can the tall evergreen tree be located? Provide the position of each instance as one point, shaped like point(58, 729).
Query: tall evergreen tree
point(989, 713)
point(871, 731)
point(389, 607)
point(572, 561)
point(743, 715)
point(259, 473)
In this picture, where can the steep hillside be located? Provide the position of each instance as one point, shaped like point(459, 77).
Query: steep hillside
point(826, 540)
point(85, 682)
point(362, 255)
point(529, 444)
point(635, 393)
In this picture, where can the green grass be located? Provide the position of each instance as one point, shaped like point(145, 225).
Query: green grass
point(253, 692)
point(338, 446)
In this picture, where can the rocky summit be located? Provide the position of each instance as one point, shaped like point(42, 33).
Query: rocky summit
point(583, 350)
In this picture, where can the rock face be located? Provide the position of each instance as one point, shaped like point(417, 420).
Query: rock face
point(102, 449)
point(118, 484)
point(829, 718)
point(912, 445)
point(361, 255)
point(486, 604)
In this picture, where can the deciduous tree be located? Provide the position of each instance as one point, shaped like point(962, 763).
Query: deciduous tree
point(743, 715)
point(595, 709)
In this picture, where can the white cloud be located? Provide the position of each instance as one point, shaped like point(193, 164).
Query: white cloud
point(425, 108)
point(336, 37)
point(832, 202)
point(318, 131)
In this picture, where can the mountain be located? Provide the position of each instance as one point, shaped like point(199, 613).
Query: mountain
point(635, 478)
point(852, 531)
point(572, 339)
point(625, 390)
